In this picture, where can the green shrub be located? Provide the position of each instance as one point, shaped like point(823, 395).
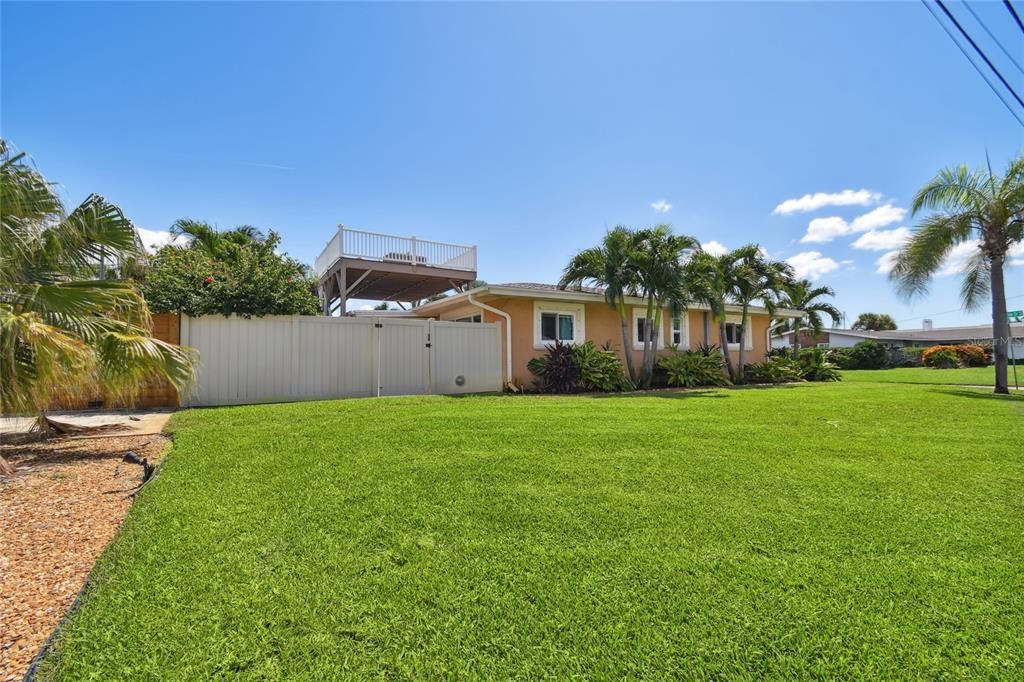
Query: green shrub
point(966, 354)
point(943, 358)
point(693, 368)
point(815, 366)
point(247, 279)
point(585, 367)
point(600, 369)
point(867, 354)
point(773, 371)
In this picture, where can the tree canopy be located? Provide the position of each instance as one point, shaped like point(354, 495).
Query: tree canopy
point(228, 272)
point(876, 322)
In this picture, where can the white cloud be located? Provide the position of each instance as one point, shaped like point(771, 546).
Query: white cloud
point(822, 230)
point(1016, 254)
point(958, 258)
point(811, 264)
point(715, 248)
point(661, 206)
point(879, 217)
point(812, 202)
point(882, 240)
point(152, 240)
point(885, 262)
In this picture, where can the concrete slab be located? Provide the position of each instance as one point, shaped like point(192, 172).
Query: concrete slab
point(135, 422)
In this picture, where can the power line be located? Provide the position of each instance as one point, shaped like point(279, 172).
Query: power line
point(993, 37)
point(949, 312)
point(1014, 13)
point(977, 68)
point(980, 52)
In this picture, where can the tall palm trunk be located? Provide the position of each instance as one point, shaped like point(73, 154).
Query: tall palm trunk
point(1000, 324)
point(645, 375)
point(655, 336)
point(627, 345)
point(723, 345)
point(743, 342)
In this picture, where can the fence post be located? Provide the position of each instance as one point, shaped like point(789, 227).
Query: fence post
point(414, 259)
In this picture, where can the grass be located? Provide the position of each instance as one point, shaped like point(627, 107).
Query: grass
point(965, 376)
point(843, 530)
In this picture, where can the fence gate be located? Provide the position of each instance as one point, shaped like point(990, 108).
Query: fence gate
point(285, 358)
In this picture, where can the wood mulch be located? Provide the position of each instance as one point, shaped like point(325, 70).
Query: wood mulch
point(57, 513)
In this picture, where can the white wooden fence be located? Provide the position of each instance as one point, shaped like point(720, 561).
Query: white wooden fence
point(285, 358)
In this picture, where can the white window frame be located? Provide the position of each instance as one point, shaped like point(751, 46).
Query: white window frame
point(684, 331)
point(748, 336)
point(577, 310)
point(638, 343)
point(664, 339)
point(470, 319)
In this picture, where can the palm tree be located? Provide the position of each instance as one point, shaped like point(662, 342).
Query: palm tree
point(739, 277)
point(659, 257)
point(756, 278)
point(802, 295)
point(610, 266)
point(710, 277)
point(982, 211)
point(63, 330)
point(202, 235)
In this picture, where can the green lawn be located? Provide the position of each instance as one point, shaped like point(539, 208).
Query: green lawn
point(844, 530)
point(966, 376)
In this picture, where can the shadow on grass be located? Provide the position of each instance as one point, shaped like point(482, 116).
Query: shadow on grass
point(978, 393)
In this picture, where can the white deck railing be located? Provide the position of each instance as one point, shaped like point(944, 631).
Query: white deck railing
point(388, 248)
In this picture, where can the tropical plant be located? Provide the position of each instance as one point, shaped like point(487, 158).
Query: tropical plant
point(693, 368)
point(803, 295)
point(874, 322)
point(600, 369)
point(708, 349)
point(204, 237)
point(565, 368)
point(557, 371)
point(64, 331)
point(815, 366)
point(773, 371)
point(977, 211)
point(710, 278)
point(662, 282)
point(610, 266)
point(234, 272)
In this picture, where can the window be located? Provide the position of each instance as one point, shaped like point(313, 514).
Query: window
point(641, 322)
point(557, 322)
point(732, 335)
point(822, 345)
point(470, 318)
point(732, 332)
point(677, 332)
point(556, 327)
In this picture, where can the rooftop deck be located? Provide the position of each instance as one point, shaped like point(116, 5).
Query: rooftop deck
point(375, 266)
point(387, 248)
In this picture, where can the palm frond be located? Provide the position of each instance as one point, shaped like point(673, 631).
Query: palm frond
point(954, 190)
point(924, 253)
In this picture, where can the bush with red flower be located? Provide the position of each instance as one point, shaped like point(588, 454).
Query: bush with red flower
point(241, 276)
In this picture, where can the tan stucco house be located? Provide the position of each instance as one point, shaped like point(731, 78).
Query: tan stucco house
point(533, 316)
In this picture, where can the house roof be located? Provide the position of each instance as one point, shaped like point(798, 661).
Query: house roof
point(553, 292)
point(978, 331)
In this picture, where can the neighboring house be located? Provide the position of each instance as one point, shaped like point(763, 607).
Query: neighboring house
point(807, 339)
point(927, 335)
point(536, 315)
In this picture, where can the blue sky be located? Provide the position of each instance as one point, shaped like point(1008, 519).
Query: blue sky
point(527, 129)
